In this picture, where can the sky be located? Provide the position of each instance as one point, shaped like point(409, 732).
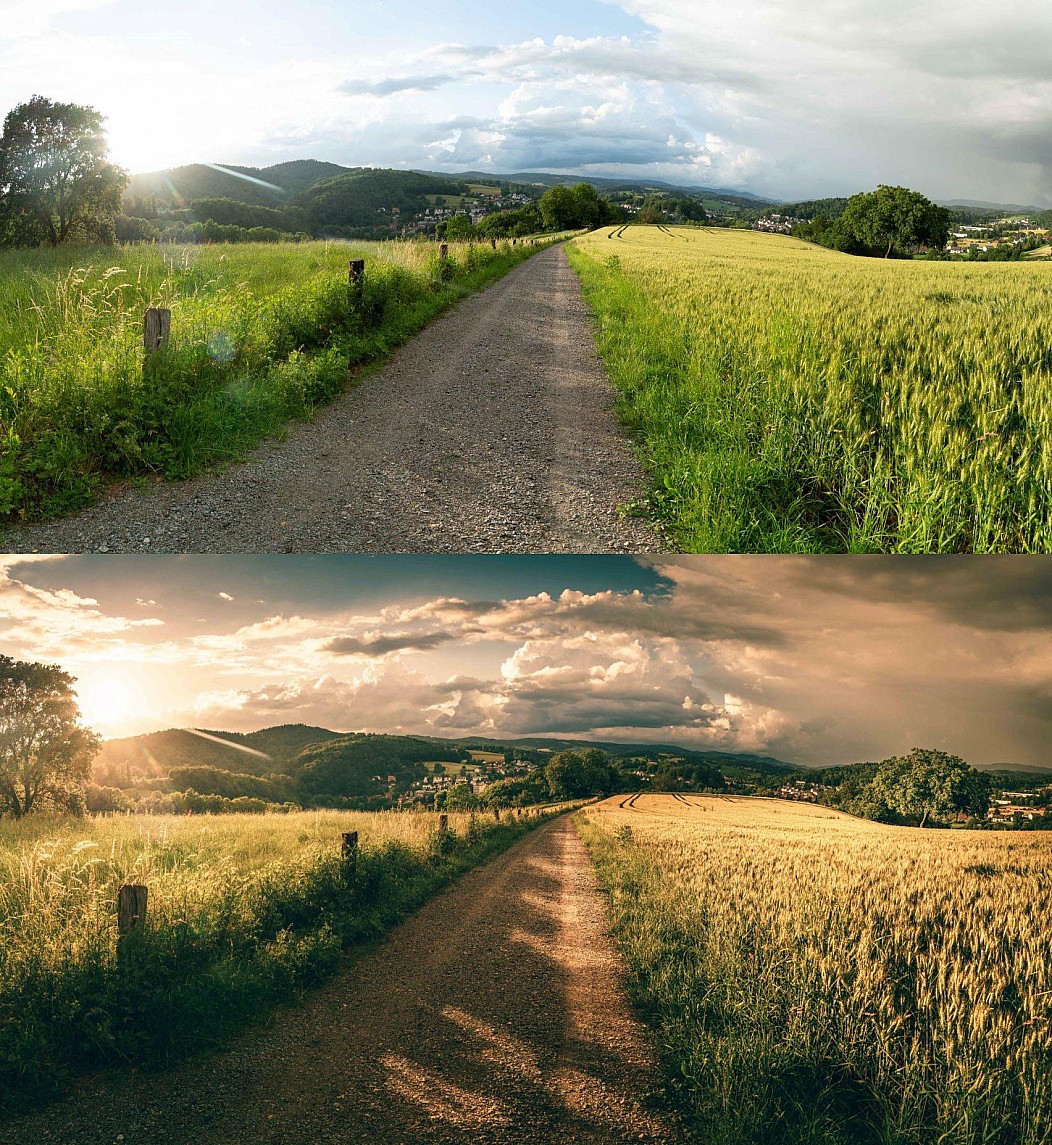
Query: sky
point(814, 660)
point(786, 98)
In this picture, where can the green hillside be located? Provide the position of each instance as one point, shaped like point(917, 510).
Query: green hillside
point(179, 186)
point(125, 762)
point(368, 199)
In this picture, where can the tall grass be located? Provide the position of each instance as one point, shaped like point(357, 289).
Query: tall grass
point(261, 334)
point(244, 910)
point(789, 398)
point(817, 978)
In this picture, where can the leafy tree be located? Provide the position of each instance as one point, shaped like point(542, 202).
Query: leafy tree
point(559, 208)
point(55, 179)
point(927, 785)
point(458, 228)
point(894, 218)
point(459, 797)
point(573, 775)
point(45, 754)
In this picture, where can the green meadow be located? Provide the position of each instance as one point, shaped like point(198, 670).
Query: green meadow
point(261, 334)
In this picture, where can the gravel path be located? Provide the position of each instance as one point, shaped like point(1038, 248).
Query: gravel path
point(491, 431)
point(493, 1016)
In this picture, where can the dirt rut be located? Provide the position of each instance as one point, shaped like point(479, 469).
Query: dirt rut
point(491, 431)
point(493, 1015)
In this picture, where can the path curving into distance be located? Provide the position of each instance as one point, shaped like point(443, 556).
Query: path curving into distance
point(493, 1016)
point(491, 431)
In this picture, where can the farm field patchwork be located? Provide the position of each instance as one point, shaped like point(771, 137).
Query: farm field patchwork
point(818, 978)
point(243, 911)
point(261, 334)
point(789, 398)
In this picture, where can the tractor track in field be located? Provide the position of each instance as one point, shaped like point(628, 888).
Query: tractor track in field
point(493, 1016)
point(493, 430)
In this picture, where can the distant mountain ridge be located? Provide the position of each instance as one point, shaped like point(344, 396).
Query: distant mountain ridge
point(156, 753)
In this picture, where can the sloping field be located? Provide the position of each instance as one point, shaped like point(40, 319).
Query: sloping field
point(792, 398)
point(820, 978)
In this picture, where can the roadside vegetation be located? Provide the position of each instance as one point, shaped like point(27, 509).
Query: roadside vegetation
point(816, 978)
point(244, 911)
point(789, 398)
point(261, 334)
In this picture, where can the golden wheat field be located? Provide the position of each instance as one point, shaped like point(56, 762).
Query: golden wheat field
point(844, 979)
point(790, 397)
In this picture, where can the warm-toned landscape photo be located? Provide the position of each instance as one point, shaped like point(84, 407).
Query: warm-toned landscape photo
point(599, 849)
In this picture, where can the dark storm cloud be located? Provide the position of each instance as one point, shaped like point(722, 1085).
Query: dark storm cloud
point(1013, 594)
point(384, 645)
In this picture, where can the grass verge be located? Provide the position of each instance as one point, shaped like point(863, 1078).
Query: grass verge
point(261, 335)
point(231, 931)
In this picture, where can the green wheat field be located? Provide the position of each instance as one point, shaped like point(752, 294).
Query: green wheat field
point(789, 398)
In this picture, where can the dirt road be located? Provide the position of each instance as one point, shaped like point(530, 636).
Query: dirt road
point(493, 1015)
point(491, 431)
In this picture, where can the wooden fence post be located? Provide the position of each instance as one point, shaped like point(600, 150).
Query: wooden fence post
point(496, 814)
point(132, 901)
point(156, 330)
point(356, 279)
point(493, 243)
point(443, 823)
point(349, 849)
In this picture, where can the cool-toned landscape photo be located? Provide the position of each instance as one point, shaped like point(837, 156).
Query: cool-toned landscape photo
point(597, 278)
point(582, 848)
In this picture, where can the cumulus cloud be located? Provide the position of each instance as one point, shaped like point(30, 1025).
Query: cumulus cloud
point(808, 659)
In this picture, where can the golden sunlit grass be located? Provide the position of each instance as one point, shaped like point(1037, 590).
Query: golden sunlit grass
point(791, 398)
point(826, 979)
point(243, 910)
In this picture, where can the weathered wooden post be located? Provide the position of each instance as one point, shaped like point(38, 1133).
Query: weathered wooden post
point(493, 243)
point(156, 330)
point(518, 813)
point(349, 849)
point(496, 814)
point(443, 824)
point(132, 901)
point(443, 252)
point(356, 278)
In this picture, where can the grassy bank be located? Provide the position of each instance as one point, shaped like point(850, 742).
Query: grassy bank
point(261, 334)
point(244, 911)
point(789, 398)
point(821, 979)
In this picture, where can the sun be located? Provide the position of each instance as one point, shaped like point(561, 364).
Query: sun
point(108, 702)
